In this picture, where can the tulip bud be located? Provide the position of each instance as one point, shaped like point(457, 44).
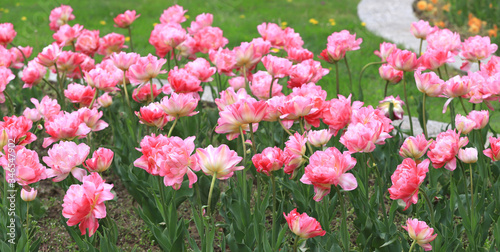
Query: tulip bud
point(28, 195)
point(468, 155)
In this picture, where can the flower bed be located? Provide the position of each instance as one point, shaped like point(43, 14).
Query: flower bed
point(339, 173)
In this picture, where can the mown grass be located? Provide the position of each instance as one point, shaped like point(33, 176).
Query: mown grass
point(238, 19)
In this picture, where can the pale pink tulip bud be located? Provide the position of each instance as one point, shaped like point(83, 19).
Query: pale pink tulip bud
point(124, 20)
point(421, 29)
point(385, 50)
point(303, 225)
point(28, 195)
point(101, 160)
point(464, 125)
point(220, 162)
point(7, 33)
point(403, 60)
point(468, 155)
point(319, 138)
point(105, 100)
point(414, 147)
point(420, 232)
point(397, 109)
point(429, 83)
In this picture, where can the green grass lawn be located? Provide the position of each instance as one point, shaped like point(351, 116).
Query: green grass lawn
point(238, 19)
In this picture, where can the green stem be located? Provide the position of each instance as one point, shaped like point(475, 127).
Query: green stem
point(446, 71)
point(173, 126)
point(22, 53)
point(175, 59)
point(360, 98)
point(271, 87)
point(125, 90)
point(452, 114)
point(407, 105)
point(28, 224)
point(151, 89)
point(420, 48)
point(440, 74)
point(254, 150)
point(296, 243)
point(11, 104)
point(286, 130)
point(412, 245)
point(348, 73)
point(94, 98)
point(244, 180)
point(162, 197)
point(130, 37)
point(385, 89)
point(463, 105)
point(168, 60)
point(343, 226)
point(301, 121)
point(274, 213)
point(337, 77)
point(214, 177)
point(471, 189)
point(429, 204)
point(423, 117)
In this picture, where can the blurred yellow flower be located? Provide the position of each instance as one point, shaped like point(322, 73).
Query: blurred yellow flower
point(313, 21)
point(186, 16)
point(363, 24)
point(18, 4)
point(154, 24)
point(283, 25)
point(289, 1)
point(1, 9)
point(23, 18)
point(276, 50)
point(332, 22)
point(127, 38)
point(6, 11)
point(102, 22)
point(242, 16)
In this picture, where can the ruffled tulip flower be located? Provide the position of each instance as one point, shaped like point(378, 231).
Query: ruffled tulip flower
point(238, 117)
point(145, 69)
point(68, 61)
point(295, 107)
point(224, 60)
point(219, 162)
point(123, 60)
point(5, 77)
point(237, 83)
point(246, 57)
point(166, 37)
point(84, 204)
point(337, 113)
point(101, 79)
point(17, 55)
point(385, 50)
point(432, 59)
point(60, 16)
point(91, 117)
point(101, 160)
point(124, 20)
point(429, 83)
point(463, 124)
point(293, 154)
point(414, 147)
point(142, 94)
point(33, 74)
point(151, 146)
point(105, 100)
point(28, 195)
point(338, 44)
point(303, 226)
point(229, 96)
point(406, 181)
point(361, 137)
point(174, 14)
point(63, 159)
point(88, 42)
point(152, 115)
point(49, 55)
point(397, 111)
point(271, 159)
point(28, 169)
point(182, 81)
point(65, 126)
point(273, 33)
point(420, 233)
point(5, 57)
point(210, 38)
point(403, 60)
point(261, 85)
point(475, 49)
point(421, 29)
point(468, 155)
point(203, 20)
point(444, 40)
point(456, 87)
point(319, 138)
point(66, 35)
point(7, 33)
point(327, 168)
point(277, 67)
point(80, 94)
point(179, 105)
point(111, 43)
point(494, 151)
point(297, 55)
point(17, 129)
point(200, 68)
point(47, 107)
point(481, 118)
point(388, 73)
point(32, 114)
point(442, 152)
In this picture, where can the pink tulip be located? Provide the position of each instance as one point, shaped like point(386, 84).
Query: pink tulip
point(142, 94)
point(179, 105)
point(477, 48)
point(373, 118)
point(494, 151)
point(63, 158)
point(28, 169)
point(261, 83)
point(303, 226)
point(68, 61)
point(110, 43)
point(306, 72)
point(67, 34)
point(152, 115)
point(261, 46)
point(295, 107)
point(361, 137)
point(65, 126)
point(47, 107)
point(145, 69)
point(183, 81)
point(200, 68)
point(240, 115)
point(5, 57)
point(210, 38)
point(224, 60)
point(17, 56)
point(397, 112)
point(327, 168)
point(203, 20)
point(174, 14)
point(33, 74)
point(246, 57)
point(421, 29)
point(406, 181)
point(294, 150)
point(271, 159)
point(273, 33)
point(17, 129)
point(277, 67)
point(105, 100)
point(237, 83)
point(385, 50)
point(388, 73)
point(81, 94)
point(319, 138)
point(123, 60)
point(403, 60)
point(101, 79)
point(420, 232)
point(338, 44)
point(88, 42)
point(491, 67)
point(442, 152)
point(91, 118)
point(60, 16)
point(220, 162)
point(228, 97)
point(151, 147)
point(5, 77)
point(175, 160)
point(124, 20)
point(298, 55)
point(7, 33)
point(468, 155)
point(414, 147)
point(28, 195)
point(165, 37)
point(429, 83)
point(49, 55)
point(455, 87)
point(481, 118)
point(32, 114)
point(337, 113)
point(432, 59)
point(101, 160)
point(444, 40)
point(463, 124)
point(84, 204)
